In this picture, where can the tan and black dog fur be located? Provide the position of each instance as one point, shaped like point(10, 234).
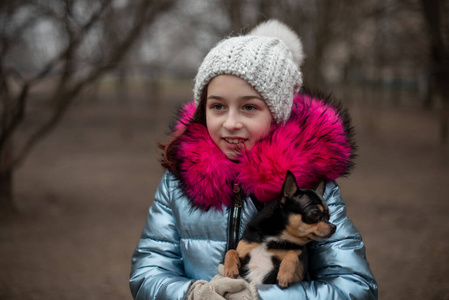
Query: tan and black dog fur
point(271, 246)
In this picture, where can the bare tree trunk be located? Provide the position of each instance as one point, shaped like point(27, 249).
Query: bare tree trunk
point(122, 88)
point(6, 171)
point(439, 60)
point(426, 91)
point(265, 8)
point(325, 14)
point(123, 99)
point(444, 125)
point(7, 205)
point(234, 10)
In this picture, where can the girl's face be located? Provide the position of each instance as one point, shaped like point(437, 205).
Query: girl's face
point(236, 115)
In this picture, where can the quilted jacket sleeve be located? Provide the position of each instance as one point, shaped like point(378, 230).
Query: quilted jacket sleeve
point(157, 271)
point(338, 266)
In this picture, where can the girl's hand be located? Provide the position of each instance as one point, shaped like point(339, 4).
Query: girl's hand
point(220, 288)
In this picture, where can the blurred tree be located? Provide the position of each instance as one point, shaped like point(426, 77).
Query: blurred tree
point(234, 11)
point(83, 40)
point(434, 13)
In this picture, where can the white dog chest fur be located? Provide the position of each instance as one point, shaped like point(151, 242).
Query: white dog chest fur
point(259, 265)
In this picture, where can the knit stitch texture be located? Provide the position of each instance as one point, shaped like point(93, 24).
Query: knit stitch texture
point(265, 62)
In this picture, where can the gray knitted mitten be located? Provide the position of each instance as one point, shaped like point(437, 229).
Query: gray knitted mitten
point(220, 288)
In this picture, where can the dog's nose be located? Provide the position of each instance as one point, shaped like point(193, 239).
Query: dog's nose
point(333, 228)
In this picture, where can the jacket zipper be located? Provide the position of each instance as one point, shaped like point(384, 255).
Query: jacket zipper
point(234, 218)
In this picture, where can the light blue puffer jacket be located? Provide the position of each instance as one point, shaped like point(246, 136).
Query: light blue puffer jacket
point(180, 244)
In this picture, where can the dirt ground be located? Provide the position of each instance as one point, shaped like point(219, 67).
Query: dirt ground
point(85, 190)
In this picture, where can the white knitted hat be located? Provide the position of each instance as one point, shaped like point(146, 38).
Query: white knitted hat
point(268, 58)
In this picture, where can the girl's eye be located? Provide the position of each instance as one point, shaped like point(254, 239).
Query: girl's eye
point(249, 107)
point(217, 106)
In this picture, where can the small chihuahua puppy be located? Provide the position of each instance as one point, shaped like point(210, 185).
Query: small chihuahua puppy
point(272, 244)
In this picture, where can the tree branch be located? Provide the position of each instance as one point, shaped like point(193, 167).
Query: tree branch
point(76, 41)
point(145, 14)
point(9, 125)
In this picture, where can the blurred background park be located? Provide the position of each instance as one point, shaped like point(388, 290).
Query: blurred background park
point(88, 88)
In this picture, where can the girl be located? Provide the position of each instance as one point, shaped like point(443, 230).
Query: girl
point(228, 155)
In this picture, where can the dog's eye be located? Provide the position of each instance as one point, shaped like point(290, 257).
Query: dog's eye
point(315, 215)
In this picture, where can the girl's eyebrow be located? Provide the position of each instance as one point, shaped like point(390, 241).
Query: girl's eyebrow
point(246, 98)
point(250, 97)
point(213, 97)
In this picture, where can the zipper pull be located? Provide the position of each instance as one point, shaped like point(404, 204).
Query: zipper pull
point(238, 196)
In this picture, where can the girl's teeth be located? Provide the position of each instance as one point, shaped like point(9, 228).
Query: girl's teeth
point(234, 141)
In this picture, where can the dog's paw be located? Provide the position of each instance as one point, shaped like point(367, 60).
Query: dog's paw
point(232, 264)
point(231, 271)
point(284, 279)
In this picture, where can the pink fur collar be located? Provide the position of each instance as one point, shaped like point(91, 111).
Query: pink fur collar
point(314, 144)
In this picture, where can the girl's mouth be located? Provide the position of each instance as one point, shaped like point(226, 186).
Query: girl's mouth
point(234, 140)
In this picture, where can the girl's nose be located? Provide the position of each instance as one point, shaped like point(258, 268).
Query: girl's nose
point(232, 122)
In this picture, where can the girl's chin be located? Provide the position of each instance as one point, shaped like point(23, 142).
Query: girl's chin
point(232, 155)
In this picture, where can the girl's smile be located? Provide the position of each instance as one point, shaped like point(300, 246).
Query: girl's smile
point(236, 115)
point(233, 140)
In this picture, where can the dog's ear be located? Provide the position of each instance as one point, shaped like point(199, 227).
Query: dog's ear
point(320, 188)
point(289, 188)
